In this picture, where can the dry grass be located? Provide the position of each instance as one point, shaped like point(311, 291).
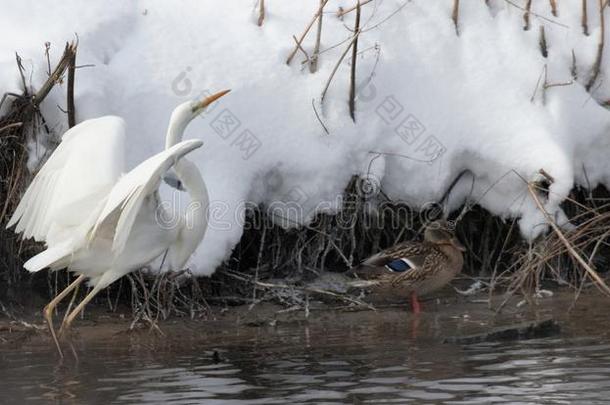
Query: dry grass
point(20, 121)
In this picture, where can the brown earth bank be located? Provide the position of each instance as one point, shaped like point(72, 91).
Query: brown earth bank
point(445, 318)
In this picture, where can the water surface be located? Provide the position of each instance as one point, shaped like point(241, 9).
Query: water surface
point(376, 358)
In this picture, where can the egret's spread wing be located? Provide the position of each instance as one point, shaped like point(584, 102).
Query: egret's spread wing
point(69, 186)
point(127, 197)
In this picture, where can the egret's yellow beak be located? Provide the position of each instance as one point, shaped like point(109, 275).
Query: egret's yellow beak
point(209, 100)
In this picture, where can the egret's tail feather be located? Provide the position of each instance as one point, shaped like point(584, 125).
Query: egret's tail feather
point(50, 257)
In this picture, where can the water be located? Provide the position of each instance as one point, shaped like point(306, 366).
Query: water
point(375, 358)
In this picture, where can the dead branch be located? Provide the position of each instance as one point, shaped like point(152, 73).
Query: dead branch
point(526, 15)
point(592, 273)
point(513, 4)
point(600, 47)
point(70, 90)
point(301, 48)
point(313, 63)
point(57, 74)
point(455, 16)
point(332, 74)
point(313, 105)
point(304, 34)
point(584, 22)
point(542, 42)
point(343, 11)
point(573, 69)
point(9, 126)
point(553, 7)
point(261, 13)
point(352, 78)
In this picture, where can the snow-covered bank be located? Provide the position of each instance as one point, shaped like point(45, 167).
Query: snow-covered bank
point(430, 104)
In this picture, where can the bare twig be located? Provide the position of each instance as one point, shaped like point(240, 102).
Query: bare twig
point(261, 12)
point(542, 74)
point(9, 126)
point(592, 273)
point(529, 12)
point(301, 48)
point(560, 84)
point(352, 78)
point(47, 48)
point(343, 11)
point(70, 91)
point(313, 105)
point(304, 34)
point(313, 63)
point(574, 69)
point(526, 15)
point(600, 47)
point(542, 42)
point(584, 22)
point(332, 74)
point(455, 15)
point(57, 73)
point(553, 7)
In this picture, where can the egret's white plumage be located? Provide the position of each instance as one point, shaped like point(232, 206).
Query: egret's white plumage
point(102, 223)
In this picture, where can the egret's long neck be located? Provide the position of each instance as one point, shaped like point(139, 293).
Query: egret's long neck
point(181, 117)
point(175, 131)
point(195, 220)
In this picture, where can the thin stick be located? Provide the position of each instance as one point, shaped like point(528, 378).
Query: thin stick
point(342, 11)
point(455, 15)
point(526, 15)
point(56, 75)
point(574, 70)
point(553, 7)
point(313, 105)
point(535, 14)
point(301, 48)
point(600, 47)
point(261, 12)
point(313, 63)
point(332, 74)
point(352, 78)
point(70, 91)
point(542, 42)
point(592, 273)
point(584, 22)
point(9, 126)
point(313, 20)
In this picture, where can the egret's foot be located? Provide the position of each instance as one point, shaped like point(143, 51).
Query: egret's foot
point(48, 316)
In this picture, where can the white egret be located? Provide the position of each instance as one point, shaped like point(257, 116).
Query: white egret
point(102, 224)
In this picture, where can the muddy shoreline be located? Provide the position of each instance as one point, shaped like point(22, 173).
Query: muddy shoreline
point(457, 316)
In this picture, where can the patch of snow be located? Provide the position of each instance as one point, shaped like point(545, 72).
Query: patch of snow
point(430, 104)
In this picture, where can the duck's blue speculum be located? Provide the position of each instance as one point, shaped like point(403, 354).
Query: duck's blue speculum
point(399, 265)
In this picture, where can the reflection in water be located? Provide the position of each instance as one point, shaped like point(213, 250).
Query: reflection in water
point(324, 364)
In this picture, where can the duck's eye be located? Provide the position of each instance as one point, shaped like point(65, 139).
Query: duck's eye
point(399, 265)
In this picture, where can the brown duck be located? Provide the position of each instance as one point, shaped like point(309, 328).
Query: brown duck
point(413, 268)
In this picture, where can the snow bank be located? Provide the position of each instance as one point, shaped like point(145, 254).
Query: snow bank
point(431, 103)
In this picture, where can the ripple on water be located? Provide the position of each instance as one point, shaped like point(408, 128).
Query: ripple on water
point(374, 368)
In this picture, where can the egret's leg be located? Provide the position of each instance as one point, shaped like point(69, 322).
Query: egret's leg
point(70, 304)
point(66, 324)
point(50, 307)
